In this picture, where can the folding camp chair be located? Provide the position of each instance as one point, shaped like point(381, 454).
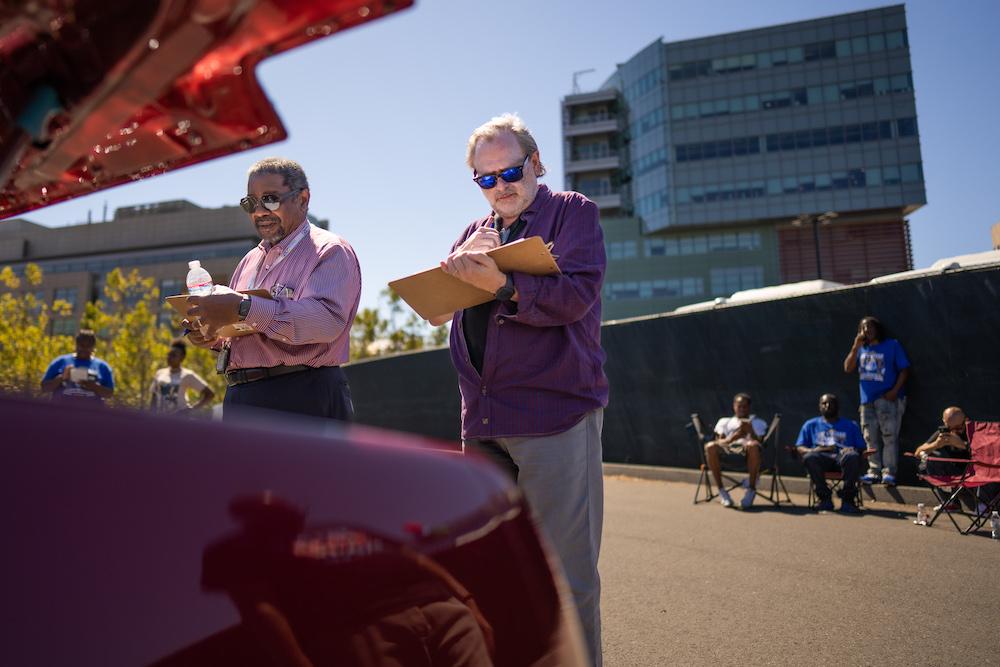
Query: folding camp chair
point(981, 469)
point(834, 479)
point(703, 437)
point(770, 442)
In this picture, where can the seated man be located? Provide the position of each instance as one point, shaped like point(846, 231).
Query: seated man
point(950, 441)
point(739, 435)
point(827, 443)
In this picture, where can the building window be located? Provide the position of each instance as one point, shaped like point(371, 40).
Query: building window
point(171, 287)
point(64, 327)
point(728, 280)
point(623, 250)
point(655, 289)
point(906, 127)
point(838, 180)
point(848, 90)
point(67, 294)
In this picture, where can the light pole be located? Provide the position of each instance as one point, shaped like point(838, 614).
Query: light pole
point(816, 220)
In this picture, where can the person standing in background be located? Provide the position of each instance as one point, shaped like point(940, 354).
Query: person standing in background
point(882, 371)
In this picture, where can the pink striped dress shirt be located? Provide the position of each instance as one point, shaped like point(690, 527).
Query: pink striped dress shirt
point(316, 285)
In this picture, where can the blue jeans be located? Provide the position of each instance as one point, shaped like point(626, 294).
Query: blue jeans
point(880, 422)
point(847, 460)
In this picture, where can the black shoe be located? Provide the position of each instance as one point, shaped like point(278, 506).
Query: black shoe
point(824, 506)
point(849, 508)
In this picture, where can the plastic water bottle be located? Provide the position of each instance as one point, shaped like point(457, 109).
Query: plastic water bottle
point(199, 282)
point(995, 525)
point(921, 519)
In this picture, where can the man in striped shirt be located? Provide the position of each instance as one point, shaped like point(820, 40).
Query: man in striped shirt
point(302, 332)
point(530, 363)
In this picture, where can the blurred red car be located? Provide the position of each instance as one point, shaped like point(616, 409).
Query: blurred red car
point(137, 540)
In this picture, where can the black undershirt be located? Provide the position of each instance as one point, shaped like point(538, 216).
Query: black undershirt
point(476, 320)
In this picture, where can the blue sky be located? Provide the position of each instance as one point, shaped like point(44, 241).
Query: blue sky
point(379, 115)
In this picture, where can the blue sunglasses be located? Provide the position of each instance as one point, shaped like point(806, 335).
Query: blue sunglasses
point(509, 175)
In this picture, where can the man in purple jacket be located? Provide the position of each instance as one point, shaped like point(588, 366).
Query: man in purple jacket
point(530, 363)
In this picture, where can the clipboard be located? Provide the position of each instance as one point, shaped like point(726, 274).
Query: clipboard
point(433, 292)
point(179, 303)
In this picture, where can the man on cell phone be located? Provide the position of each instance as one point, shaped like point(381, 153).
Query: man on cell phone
point(882, 372)
point(80, 375)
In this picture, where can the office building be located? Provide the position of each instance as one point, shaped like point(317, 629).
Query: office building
point(753, 158)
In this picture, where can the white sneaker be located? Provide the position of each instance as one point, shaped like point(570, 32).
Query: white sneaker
point(724, 498)
point(748, 499)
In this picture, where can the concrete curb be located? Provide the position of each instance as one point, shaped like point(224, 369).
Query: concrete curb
point(899, 496)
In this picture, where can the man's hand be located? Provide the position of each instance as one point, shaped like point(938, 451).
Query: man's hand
point(97, 388)
point(475, 268)
point(859, 340)
point(196, 338)
point(67, 372)
point(891, 394)
point(482, 240)
point(951, 440)
point(213, 312)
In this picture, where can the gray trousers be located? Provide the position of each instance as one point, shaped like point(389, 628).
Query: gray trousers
point(562, 479)
point(880, 421)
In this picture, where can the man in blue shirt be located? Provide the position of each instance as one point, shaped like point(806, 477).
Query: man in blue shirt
point(882, 370)
point(828, 443)
point(80, 375)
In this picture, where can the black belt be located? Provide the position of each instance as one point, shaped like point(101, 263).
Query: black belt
point(244, 375)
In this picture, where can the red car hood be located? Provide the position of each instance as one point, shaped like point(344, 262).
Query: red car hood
point(95, 94)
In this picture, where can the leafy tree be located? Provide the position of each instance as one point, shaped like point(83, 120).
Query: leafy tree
point(373, 336)
point(439, 336)
point(129, 338)
point(408, 336)
point(368, 329)
point(26, 348)
point(134, 345)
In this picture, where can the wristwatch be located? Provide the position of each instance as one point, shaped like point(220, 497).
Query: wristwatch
point(506, 292)
point(244, 308)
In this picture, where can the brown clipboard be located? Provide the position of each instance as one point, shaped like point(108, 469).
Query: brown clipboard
point(179, 303)
point(433, 292)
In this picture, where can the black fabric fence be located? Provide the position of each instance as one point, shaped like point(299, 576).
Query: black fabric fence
point(785, 353)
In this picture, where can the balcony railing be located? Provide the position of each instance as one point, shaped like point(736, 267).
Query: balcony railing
point(595, 153)
point(597, 117)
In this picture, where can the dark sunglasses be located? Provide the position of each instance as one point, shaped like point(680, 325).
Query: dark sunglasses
point(509, 175)
point(269, 201)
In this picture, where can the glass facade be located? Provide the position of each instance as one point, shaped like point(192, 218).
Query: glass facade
point(841, 48)
point(790, 141)
point(722, 140)
point(794, 97)
point(837, 180)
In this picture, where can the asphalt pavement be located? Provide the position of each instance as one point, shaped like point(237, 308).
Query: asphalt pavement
point(706, 585)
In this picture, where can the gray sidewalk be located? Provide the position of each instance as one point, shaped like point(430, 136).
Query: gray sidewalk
point(897, 497)
point(700, 584)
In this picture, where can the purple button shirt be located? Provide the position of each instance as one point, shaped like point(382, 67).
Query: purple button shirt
point(544, 367)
